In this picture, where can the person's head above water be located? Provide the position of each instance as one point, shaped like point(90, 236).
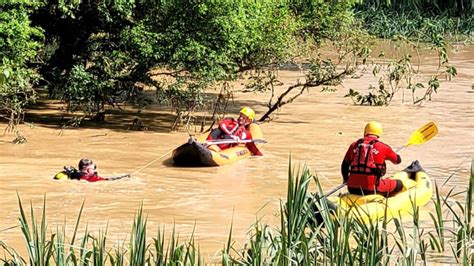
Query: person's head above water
point(87, 166)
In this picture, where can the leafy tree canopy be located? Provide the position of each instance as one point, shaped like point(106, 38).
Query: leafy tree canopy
point(19, 43)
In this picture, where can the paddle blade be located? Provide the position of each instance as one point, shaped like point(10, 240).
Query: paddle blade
point(423, 134)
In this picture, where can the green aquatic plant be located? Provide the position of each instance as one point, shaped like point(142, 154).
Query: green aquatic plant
point(63, 252)
point(463, 228)
point(414, 24)
point(38, 246)
point(99, 250)
point(138, 245)
point(15, 259)
point(398, 75)
point(117, 257)
point(438, 242)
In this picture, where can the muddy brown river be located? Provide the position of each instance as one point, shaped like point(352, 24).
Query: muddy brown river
point(316, 130)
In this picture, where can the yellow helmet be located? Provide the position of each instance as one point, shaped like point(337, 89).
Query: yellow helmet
point(248, 112)
point(61, 176)
point(373, 128)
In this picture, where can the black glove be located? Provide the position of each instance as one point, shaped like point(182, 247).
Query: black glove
point(117, 177)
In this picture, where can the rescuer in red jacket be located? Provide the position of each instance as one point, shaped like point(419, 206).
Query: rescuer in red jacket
point(364, 164)
point(236, 129)
point(88, 171)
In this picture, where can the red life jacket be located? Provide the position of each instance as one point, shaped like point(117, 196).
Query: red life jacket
point(363, 161)
point(90, 178)
point(230, 126)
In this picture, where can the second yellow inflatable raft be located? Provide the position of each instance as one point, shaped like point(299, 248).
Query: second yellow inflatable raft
point(196, 153)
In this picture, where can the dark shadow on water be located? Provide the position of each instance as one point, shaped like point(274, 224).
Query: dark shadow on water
point(119, 120)
point(155, 118)
point(295, 67)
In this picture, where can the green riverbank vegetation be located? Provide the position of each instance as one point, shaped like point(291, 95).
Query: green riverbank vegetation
point(185, 57)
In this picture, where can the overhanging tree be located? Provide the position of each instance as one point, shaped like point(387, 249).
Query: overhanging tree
point(19, 43)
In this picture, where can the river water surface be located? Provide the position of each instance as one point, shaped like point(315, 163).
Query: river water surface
point(315, 130)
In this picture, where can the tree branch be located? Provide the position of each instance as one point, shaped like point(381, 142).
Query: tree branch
point(314, 83)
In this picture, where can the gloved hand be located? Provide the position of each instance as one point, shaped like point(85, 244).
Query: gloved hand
point(236, 138)
point(117, 177)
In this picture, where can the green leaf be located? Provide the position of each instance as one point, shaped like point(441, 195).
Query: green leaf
point(6, 73)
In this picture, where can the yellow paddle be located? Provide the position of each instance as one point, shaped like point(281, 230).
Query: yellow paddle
point(422, 135)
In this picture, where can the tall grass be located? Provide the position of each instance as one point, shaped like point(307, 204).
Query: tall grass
point(412, 24)
point(336, 238)
point(463, 248)
point(463, 7)
point(38, 247)
point(438, 242)
point(138, 246)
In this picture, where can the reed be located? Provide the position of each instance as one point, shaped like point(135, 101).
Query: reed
point(159, 247)
point(38, 246)
point(457, 7)
point(226, 251)
point(63, 252)
point(294, 218)
point(117, 257)
point(464, 245)
point(99, 250)
point(438, 242)
point(84, 253)
point(415, 25)
point(138, 246)
point(192, 255)
point(15, 259)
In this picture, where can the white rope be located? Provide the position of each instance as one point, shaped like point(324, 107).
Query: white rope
point(150, 163)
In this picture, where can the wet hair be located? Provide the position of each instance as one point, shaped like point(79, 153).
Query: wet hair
point(83, 163)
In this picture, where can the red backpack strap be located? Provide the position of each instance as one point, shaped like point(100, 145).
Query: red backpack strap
point(361, 165)
point(376, 170)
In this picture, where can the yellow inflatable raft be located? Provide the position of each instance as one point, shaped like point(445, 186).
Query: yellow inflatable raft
point(417, 192)
point(196, 152)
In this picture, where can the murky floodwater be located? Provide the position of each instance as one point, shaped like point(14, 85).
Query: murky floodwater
point(315, 130)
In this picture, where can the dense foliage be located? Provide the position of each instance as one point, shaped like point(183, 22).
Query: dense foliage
point(19, 43)
point(108, 59)
point(85, 64)
point(99, 55)
point(321, 20)
point(196, 46)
